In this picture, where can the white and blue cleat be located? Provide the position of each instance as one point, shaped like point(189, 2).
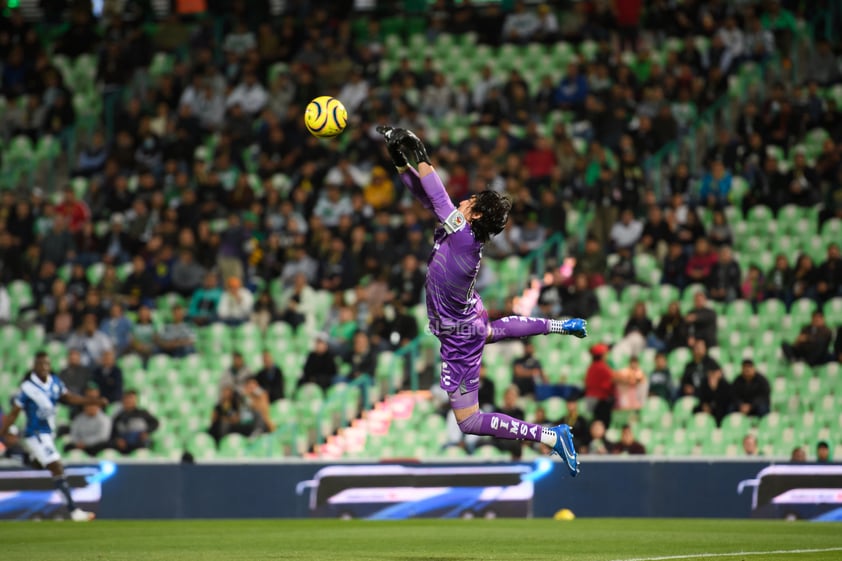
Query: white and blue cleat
point(564, 447)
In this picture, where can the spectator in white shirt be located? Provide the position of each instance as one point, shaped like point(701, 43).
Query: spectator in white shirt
point(91, 430)
point(249, 94)
point(437, 98)
point(520, 25)
point(732, 38)
point(486, 83)
point(627, 231)
point(347, 175)
point(547, 24)
point(5, 305)
point(236, 303)
point(331, 205)
point(90, 343)
point(355, 91)
point(299, 264)
point(240, 40)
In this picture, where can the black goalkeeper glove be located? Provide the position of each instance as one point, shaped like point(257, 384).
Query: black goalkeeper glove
point(392, 137)
point(412, 147)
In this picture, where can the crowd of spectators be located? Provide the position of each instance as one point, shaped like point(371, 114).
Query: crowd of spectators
point(205, 183)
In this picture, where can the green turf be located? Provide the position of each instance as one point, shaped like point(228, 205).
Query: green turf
point(418, 540)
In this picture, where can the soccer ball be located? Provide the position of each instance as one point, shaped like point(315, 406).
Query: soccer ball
point(325, 117)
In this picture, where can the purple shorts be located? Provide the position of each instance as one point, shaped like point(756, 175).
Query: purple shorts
point(461, 356)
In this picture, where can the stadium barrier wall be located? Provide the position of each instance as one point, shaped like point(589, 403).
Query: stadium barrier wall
point(610, 487)
point(268, 490)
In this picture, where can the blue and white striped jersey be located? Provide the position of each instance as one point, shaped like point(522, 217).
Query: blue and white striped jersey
point(38, 400)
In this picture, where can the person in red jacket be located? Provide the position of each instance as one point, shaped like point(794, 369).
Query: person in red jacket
point(701, 262)
point(627, 15)
point(599, 385)
point(75, 211)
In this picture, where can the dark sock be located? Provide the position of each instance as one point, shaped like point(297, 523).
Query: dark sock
point(61, 484)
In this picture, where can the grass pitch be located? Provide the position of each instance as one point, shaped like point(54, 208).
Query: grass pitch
point(421, 540)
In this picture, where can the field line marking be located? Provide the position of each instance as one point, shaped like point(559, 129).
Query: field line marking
point(734, 554)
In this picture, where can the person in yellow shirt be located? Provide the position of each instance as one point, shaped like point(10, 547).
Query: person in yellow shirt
point(380, 191)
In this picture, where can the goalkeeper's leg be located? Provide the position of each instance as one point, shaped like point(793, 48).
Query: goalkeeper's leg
point(473, 421)
point(518, 327)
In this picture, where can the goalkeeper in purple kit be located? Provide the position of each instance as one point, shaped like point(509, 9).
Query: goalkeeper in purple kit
point(457, 316)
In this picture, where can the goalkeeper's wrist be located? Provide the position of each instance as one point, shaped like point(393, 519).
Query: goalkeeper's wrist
point(402, 168)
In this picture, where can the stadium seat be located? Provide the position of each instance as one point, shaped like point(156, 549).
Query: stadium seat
point(233, 446)
point(653, 411)
point(683, 409)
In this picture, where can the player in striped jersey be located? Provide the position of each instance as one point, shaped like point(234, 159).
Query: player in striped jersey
point(39, 393)
point(454, 308)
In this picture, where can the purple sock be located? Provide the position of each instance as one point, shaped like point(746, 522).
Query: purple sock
point(494, 424)
point(501, 426)
point(518, 327)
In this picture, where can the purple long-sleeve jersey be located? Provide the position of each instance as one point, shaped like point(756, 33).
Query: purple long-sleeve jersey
point(452, 302)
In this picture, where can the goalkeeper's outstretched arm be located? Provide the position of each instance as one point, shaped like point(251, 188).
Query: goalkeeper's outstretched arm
point(425, 184)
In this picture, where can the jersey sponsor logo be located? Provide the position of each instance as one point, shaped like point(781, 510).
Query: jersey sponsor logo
point(455, 222)
point(473, 381)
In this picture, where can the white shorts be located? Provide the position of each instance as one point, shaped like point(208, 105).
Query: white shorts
point(42, 449)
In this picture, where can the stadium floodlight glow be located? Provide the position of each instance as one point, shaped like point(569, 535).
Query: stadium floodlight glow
point(106, 470)
point(543, 466)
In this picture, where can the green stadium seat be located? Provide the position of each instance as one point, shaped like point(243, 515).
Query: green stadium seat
point(554, 408)
point(653, 411)
point(683, 409)
point(832, 231)
point(233, 446)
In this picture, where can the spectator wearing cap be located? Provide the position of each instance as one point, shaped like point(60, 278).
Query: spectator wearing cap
point(751, 391)
point(599, 385)
point(236, 303)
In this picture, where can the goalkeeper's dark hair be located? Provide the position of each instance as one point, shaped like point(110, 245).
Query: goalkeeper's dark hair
point(493, 210)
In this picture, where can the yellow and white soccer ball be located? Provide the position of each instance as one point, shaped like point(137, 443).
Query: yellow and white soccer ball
point(325, 117)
